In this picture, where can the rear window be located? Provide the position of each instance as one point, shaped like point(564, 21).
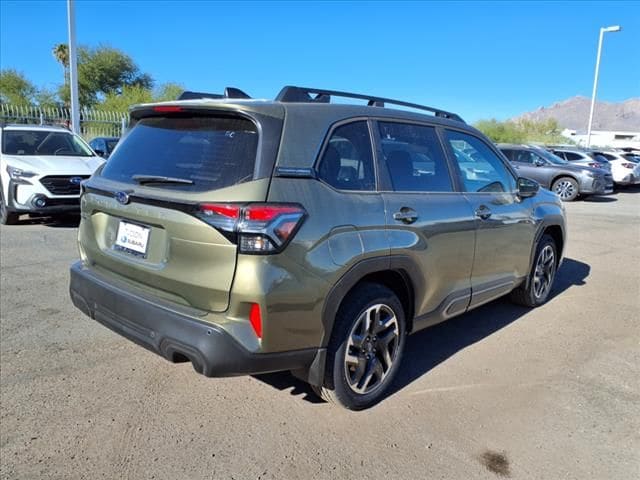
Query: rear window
point(210, 151)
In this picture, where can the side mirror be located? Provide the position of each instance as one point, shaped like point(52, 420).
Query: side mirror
point(539, 162)
point(527, 188)
point(100, 153)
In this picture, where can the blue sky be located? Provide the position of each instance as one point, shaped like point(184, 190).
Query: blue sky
point(480, 59)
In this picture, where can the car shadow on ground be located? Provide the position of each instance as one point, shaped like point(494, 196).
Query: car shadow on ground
point(428, 348)
point(59, 221)
point(600, 199)
point(628, 189)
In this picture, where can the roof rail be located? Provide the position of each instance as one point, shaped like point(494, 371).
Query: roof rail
point(229, 92)
point(303, 94)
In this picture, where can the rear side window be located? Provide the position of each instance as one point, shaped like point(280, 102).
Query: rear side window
point(212, 152)
point(572, 156)
point(480, 168)
point(414, 158)
point(347, 162)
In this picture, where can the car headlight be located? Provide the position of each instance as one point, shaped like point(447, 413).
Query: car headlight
point(19, 175)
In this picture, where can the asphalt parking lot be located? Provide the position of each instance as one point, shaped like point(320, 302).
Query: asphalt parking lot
point(502, 392)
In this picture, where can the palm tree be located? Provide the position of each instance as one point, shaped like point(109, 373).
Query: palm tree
point(61, 54)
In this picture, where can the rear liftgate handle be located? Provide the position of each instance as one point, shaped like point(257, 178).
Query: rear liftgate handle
point(406, 215)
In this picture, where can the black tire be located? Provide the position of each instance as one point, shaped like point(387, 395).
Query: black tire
point(528, 294)
point(7, 217)
point(338, 385)
point(566, 188)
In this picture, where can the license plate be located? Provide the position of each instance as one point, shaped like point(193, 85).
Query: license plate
point(132, 238)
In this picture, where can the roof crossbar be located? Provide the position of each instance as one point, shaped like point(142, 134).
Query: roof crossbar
point(303, 94)
point(229, 92)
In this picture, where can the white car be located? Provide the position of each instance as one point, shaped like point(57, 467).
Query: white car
point(625, 171)
point(41, 168)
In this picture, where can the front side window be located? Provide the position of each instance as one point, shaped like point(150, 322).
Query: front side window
point(481, 170)
point(510, 154)
point(414, 158)
point(525, 156)
point(42, 142)
point(347, 162)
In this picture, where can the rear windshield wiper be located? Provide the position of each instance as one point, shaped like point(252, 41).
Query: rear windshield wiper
point(143, 179)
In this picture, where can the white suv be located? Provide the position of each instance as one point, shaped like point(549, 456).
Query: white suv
point(41, 168)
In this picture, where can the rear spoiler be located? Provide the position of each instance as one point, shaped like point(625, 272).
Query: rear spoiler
point(229, 92)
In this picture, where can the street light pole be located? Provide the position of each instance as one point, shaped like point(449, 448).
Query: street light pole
point(73, 67)
point(614, 28)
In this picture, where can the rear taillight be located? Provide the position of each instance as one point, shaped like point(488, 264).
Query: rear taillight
point(629, 165)
point(257, 228)
point(595, 165)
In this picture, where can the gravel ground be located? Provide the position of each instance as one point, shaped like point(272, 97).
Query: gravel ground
point(502, 392)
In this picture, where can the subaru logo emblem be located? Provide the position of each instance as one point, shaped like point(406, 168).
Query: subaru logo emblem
point(75, 180)
point(122, 197)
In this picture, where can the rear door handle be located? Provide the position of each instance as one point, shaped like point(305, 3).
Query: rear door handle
point(406, 215)
point(483, 212)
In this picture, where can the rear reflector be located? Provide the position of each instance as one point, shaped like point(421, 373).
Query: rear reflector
point(256, 319)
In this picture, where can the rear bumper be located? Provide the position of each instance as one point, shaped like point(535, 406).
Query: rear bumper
point(630, 179)
point(597, 186)
point(171, 333)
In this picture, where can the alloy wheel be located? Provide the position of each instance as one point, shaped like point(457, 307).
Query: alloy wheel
point(544, 272)
point(565, 189)
point(372, 348)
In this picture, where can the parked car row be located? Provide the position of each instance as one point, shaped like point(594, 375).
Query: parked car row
point(571, 172)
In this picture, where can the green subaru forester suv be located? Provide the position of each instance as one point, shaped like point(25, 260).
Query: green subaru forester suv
point(251, 236)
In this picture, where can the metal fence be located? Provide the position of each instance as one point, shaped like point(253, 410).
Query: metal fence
point(93, 123)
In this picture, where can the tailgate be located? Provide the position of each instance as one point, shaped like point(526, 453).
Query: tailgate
point(138, 214)
point(184, 260)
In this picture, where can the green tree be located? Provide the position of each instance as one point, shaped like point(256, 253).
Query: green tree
point(501, 132)
point(103, 71)
point(46, 98)
point(61, 54)
point(120, 102)
point(522, 131)
point(15, 88)
point(168, 91)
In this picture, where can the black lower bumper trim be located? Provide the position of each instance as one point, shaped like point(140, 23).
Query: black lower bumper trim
point(171, 333)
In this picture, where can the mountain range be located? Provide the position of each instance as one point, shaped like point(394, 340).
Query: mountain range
point(573, 114)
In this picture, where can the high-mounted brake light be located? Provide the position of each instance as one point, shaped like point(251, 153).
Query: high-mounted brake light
point(167, 108)
point(257, 228)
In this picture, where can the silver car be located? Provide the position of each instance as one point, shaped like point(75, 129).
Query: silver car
point(566, 179)
point(579, 156)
